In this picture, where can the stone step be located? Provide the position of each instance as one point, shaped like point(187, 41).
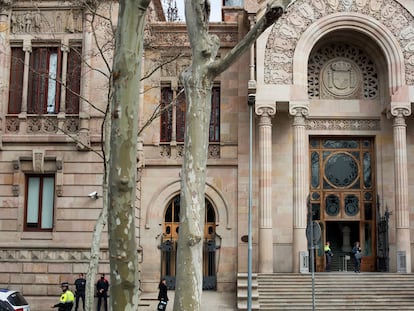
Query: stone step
point(333, 291)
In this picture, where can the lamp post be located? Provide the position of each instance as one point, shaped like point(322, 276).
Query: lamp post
point(250, 102)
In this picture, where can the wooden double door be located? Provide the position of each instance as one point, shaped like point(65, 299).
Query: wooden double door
point(343, 198)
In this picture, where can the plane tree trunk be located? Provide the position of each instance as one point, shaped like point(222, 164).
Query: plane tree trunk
point(198, 80)
point(126, 74)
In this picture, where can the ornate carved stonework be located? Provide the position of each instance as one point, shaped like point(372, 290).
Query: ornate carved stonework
point(399, 111)
point(38, 161)
point(48, 255)
point(343, 124)
point(12, 125)
point(41, 125)
point(340, 78)
point(71, 125)
point(214, 152)
point(341, 71)
point(302, 13)
point(175, 67)
point(46, 21)
point(165, 151)
point(5, 5)
point(157, 35)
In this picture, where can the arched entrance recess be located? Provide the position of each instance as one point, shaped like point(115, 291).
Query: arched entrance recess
point(343, 197)
point(168, 245)
point(344, 67)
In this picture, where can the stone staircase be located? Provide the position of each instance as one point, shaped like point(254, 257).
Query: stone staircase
point(333, 291)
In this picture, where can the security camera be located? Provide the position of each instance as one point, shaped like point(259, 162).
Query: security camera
point(93, 195)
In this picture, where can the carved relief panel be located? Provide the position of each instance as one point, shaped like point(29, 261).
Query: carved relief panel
point(46, 21)
point(341, 71)
point(286, 32)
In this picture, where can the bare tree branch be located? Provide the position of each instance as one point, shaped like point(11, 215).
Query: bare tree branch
point(274, 10)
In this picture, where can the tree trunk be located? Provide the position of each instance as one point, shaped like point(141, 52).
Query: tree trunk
point(126, 75)
point(198, 81)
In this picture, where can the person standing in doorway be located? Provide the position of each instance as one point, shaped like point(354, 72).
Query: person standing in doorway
point(328, 256)
point(357, 255)
point(162, 294)
point(80, 285)
point(102, 287)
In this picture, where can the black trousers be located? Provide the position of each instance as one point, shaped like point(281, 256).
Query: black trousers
point(105, 300)
point(79, 296)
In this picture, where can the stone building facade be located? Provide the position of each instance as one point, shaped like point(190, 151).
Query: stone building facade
point(332, 127)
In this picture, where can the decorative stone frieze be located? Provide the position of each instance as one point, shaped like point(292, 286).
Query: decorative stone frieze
point(49, 255)
point(177, 151)
point(46, 21)
point(302, 13)
point(343, 124)
point(176, 35)
point(42, 124)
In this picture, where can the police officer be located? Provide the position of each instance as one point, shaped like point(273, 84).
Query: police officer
point(66, 299)
point(80, 285)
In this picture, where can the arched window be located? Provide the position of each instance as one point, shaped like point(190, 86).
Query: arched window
point(169, 244)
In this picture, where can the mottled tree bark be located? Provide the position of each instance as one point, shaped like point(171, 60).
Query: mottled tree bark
point(198, 81)
point(126, 73)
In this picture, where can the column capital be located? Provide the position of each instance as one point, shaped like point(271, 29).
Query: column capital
point(299, 109)
point(27, 46)
point(265, 110)
point(398, 110)
point(65, 48)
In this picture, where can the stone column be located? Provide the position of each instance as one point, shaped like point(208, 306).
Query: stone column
point(27, 48)
point(265, 188)
point(300, 182)
point(61, 116)
point(65, 50)
point(4, 67)
point(402, 214)
point(84, 106)
point(4, 60)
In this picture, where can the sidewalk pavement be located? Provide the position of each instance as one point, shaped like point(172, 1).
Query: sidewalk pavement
point(210, 301)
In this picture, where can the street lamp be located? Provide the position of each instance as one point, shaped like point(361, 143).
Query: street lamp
point(251, 101)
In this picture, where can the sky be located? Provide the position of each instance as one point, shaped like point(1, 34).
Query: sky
point(215, 15)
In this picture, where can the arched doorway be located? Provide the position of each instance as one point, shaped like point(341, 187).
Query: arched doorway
point(343, 197)
point(169, 244)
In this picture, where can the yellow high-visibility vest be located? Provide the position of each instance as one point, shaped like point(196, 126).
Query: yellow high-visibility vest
point(67, 297)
